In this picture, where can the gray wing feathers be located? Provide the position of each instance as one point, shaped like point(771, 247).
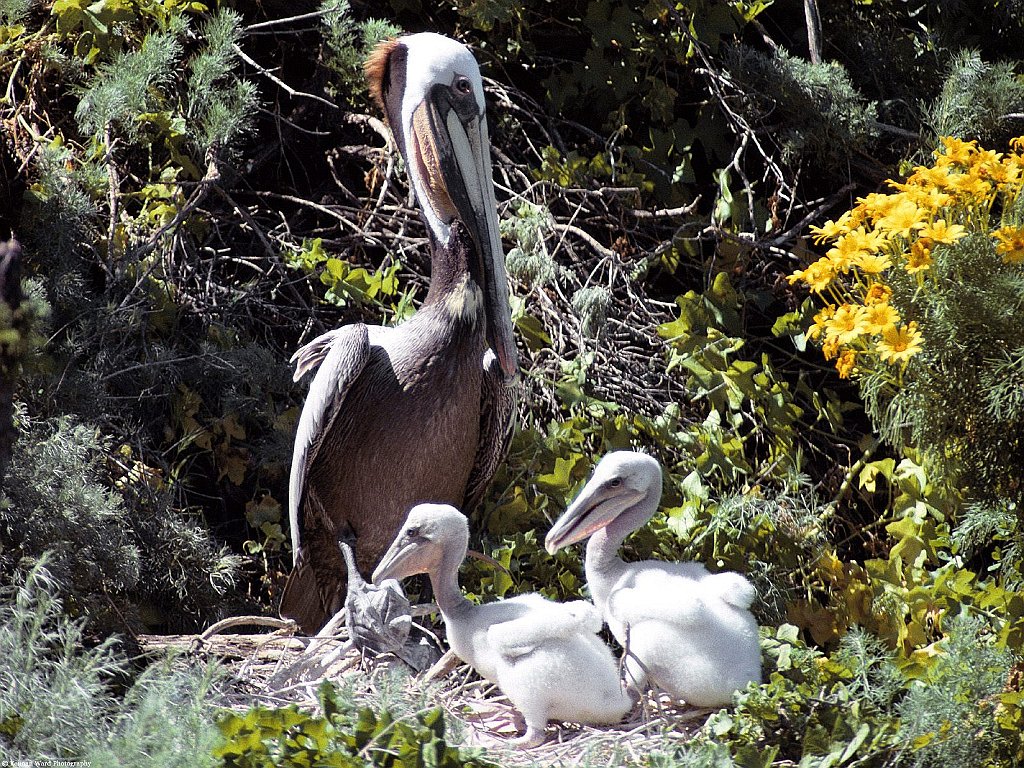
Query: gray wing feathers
point(342, 355)
point(498, 400)
point(310, 355)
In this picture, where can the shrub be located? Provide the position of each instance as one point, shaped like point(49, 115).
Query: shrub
point(55, 501)
point(58, 695)
point(921, 289)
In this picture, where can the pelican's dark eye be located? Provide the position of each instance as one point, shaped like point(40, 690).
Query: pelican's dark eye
point(462, 85)
point(615, 482)
point(412, 533)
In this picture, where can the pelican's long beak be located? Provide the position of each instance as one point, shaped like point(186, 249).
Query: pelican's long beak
point(398, 562)
point(453, 153)
point(596, 507)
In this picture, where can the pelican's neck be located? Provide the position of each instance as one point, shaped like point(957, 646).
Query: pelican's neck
point(456, 278)
point(445, 583)
point(603, 565)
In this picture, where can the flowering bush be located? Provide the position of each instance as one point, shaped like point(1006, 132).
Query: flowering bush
point(963, 193)
point(921, 289)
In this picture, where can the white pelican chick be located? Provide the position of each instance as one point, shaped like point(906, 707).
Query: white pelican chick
point(686, 630)
point(546, 657)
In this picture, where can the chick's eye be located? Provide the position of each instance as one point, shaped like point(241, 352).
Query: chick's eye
point(615, 482)
point(462, 85)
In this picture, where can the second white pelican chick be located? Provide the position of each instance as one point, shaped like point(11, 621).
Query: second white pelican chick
point(546, 657)
point(687, 630)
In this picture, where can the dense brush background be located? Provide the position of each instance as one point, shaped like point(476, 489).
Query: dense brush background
point(199, 188)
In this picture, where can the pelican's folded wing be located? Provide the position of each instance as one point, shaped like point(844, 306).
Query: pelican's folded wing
point(498, 397)
point(657, 596)
point(307, 357)
point(544, 621)
point(343, 355)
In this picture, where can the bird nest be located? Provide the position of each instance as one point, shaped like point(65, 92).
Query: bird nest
point(281, 668)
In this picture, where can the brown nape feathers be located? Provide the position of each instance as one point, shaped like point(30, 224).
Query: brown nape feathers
point(376, 69)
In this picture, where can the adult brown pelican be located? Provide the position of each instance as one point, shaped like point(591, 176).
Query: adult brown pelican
point(422, 411)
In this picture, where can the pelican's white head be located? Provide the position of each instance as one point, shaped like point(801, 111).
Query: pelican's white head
point(621, 481)
point(431, 91)
point(429, 532)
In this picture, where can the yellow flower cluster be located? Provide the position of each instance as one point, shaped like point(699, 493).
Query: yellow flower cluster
point(935, 207)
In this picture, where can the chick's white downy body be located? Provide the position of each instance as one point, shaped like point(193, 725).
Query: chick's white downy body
point(685, 630)
point(545, 656)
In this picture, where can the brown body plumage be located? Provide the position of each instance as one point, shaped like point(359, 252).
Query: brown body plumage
point(419, 412)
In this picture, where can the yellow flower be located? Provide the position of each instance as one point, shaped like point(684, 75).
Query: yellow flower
point(848, 249)
point(820, 322)
point(846, 324)
point(1010, 244)
point(971, 186)
point(956, 151)
point(845, 363)
point(1017, 143)
point(986, 159)
point(830, 348)
point(929, 198)
point(877, 205)
point(903, 217)
point(867, 240)
point(941, 232)
point(1014, 166)
point(997, 173)
point(878, 318)
point(830, 230)
point(854, 217)
point(872, 263)
point(932, 177)
point(920, 257)
point(878, 293)
point(898, 345)
point(817, 275)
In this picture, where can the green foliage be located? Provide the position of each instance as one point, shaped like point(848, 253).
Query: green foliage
point(58, 701)
point(823, 114)
point(99, 29)
point(14, 11)
point(528, 260)
point(750, 413)
point(164, 720)
point(340, 737)
point(591, 305)
point(976, 99)
point(129, 85)
point(60, 210)
point(613, 166)
point(137, 88)
point(54, 502)
point(347, 42)
point(221, 105)
point(21, 330)
point(951, 717)
point(346, 283)
point(54, 693)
